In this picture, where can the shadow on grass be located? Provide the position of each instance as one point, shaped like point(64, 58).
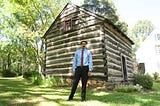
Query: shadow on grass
point(17, 92)
point(114, 98)
point(150, 98)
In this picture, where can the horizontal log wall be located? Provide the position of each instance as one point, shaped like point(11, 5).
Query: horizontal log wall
point(61, 45)
point(105, 43)
point(115, 47)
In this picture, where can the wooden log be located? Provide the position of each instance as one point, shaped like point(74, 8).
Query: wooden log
point(130, 70)
point(75, 44)
point(114, 61)
point(62, 63)
point(130, 75)
point(96, 68)
point(111, 50)
point(75, 27)
point(75, 32)
point(74, 15)
point(118, 68)
point(111, 72)
point(118, 35)
point(56, 71)
point(99, 76)
point(118, 46)
point(62, 53)
point(73, 48)
point(115, 79)
point(75, 38)
point(116, 57)
point(116, 41)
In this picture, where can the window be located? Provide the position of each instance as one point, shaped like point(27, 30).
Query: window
point(158, 37)
point(157, 49)
point(67, 25)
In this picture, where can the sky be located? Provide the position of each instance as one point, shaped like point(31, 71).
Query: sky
point(132, 11)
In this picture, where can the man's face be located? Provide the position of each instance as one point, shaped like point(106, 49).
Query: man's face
point(83, 44)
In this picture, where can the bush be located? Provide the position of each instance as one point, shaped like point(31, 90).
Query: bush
point(29, 74)
point(127, 89)
point(56, 81)
point(19, 73)
point(38, 80)
point(155, 75)
point(34, 76)
point(9, 73)
point(145, 81)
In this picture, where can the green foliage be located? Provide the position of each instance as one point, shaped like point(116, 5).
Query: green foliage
point(158, 81)
point(30, 74)
point(15, 90)
point(34, 77)
point(107, 9)
point(38, 80)
point(143, 28)
point(127, 89)
point(102, 7)
point(50, 81)
point(23, 23)
point(27, 75)
point(9, 73)
point(155, 75)
point(145, 81)
point(139, 32)
point(56, 81)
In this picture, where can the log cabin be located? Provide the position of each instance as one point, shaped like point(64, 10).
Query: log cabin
point(110, 47)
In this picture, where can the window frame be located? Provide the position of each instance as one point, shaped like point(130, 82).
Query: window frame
point(66, 28)
point(157, 37)
point(157, 49)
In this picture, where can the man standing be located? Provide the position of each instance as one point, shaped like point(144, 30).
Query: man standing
point(82, 67)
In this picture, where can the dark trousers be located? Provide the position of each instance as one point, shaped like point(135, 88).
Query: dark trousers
point(81, 72)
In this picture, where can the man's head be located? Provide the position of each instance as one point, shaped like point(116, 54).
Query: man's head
point(83, 44)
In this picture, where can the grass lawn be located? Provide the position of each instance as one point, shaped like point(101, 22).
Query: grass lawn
point(18, 92)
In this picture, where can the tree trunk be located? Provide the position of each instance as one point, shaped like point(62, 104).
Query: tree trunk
point(9, 60)
point(4, 64)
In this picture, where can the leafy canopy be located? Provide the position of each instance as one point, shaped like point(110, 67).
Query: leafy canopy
point(107, 9)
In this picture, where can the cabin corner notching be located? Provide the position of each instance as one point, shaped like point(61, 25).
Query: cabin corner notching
point(111, 49)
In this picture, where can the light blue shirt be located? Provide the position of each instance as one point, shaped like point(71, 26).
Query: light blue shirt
point(87, 59)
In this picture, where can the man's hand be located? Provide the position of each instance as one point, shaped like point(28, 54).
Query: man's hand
point(89, 73)
point(71, 73)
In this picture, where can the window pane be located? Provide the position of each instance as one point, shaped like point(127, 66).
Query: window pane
point(157, 48)
point(67, 25)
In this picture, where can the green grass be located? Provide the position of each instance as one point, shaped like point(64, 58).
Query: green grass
point(18, 92)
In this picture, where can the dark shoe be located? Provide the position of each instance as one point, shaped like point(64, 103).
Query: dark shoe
point(83, 100)
point(69, 99)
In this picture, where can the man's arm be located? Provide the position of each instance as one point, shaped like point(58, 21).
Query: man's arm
point(74, 62)
point(90, 62)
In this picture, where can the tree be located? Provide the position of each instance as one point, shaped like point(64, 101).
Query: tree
point(142, 29)
point(139, 32)
point(107, 9)
point(23, 23)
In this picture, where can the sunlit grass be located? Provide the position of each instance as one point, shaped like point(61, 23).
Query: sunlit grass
point(18, 92)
